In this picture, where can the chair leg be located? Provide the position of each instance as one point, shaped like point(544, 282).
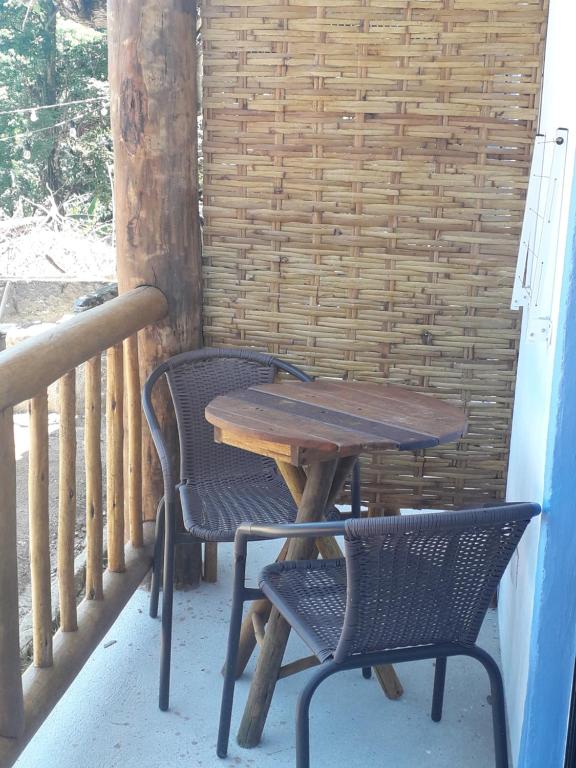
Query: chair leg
point(498, 708)
point(303, 713)
point(231, 655)
point(498, 714)
point(366, 673)
point(438, 694)
point(167, 601)
point(496, 687)
point(157, 561)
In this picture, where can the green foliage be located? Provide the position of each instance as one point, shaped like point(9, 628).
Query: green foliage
point(62, 153)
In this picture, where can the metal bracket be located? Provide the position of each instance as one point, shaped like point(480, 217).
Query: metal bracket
point(536, 269)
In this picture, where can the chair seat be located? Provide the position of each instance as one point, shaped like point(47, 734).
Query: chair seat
point(213, 511)
point(311, 595)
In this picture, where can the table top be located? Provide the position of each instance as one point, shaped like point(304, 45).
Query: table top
point(298, 422)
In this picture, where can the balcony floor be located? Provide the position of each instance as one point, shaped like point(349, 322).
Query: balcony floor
point(109, 717)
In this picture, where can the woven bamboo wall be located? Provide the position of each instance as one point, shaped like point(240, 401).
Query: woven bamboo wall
point(365, 167)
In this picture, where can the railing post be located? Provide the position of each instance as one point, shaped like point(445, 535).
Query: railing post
point(67, 502)
point(40, 531)
point(134, 422)
point(93, 461)
point(11, 698)
point(115, 458)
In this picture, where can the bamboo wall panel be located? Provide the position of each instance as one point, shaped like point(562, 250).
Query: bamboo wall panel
point(365, 169)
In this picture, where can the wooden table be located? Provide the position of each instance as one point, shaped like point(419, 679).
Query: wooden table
point(323, 426)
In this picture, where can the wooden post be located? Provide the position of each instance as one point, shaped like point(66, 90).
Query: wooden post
point(153, 93)
point(115, 458)
point(67, 502)
point(93, 462)
point(11, 698)
point(134, 426)
point(210, 573)
point(40, 531)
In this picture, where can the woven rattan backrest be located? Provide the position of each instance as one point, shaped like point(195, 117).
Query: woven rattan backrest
point(427, 578)
point(194, 380)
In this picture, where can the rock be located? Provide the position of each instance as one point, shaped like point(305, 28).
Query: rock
point(97, 297)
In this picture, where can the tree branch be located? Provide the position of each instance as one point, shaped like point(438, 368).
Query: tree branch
point(91, 13)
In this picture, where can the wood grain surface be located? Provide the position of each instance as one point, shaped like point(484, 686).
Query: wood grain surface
point(301, 422)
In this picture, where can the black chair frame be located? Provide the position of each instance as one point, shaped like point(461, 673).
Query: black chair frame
point(169, 506)
point(438, 651)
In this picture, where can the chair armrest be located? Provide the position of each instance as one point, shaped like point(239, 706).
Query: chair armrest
point(292, 530)
point(254, 532)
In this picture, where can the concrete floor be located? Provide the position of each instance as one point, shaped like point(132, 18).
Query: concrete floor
point(109, 717)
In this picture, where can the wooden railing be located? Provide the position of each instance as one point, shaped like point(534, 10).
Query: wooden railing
point(26, 371)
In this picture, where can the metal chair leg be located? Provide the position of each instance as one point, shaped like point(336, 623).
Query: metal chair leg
point(232, 652)
point(303, 713)
point(498, 708)
point(499, 718)
point(409, 654)
point(167, 601)
point(438, 693)
point(158, 560)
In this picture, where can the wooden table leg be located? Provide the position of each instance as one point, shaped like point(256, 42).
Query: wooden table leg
point(315, 497)
point(295, 479)
point(247, 642)
point(328, 548)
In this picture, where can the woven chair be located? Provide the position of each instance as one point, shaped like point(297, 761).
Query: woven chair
point(410, 587)
point(219, 486)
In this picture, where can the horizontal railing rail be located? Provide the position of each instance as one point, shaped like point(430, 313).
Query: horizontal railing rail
point(26, 371)
point(36, 363)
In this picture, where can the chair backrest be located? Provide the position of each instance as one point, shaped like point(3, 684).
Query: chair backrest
point(194, 379)
point(426, 578)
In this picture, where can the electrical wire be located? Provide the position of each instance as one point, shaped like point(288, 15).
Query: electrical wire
point(25, 134)
point(23, 110)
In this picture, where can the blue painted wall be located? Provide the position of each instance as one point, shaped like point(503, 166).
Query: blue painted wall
point(553, 639)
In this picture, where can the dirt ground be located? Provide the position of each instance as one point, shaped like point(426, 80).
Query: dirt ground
point(38, 251)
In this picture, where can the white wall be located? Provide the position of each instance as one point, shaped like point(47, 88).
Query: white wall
point(533, 389)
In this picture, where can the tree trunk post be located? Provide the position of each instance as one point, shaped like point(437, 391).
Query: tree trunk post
point(153, 92)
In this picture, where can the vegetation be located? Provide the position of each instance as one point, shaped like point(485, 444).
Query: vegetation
point(60, 155)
